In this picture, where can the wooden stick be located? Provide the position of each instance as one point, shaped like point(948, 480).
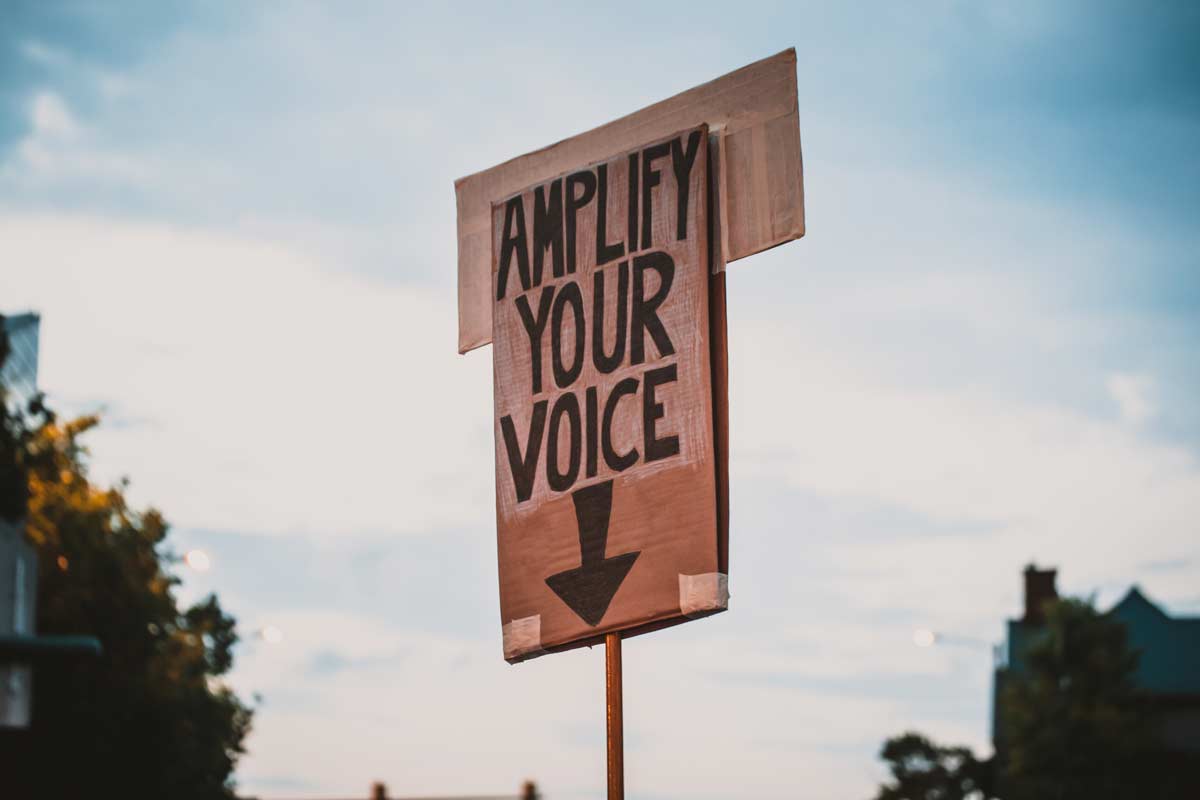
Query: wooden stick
point(616, 738)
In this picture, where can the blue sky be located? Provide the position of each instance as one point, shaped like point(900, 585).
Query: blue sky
point(238, 224)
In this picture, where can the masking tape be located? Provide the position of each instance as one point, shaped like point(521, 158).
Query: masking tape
point(702, 594)
point(523, 636)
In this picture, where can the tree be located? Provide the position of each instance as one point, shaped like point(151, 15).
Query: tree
point(149, 718)
point(922, 770)
point(1074, 725)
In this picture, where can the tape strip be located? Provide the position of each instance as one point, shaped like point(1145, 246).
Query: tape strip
point(522, 637)
point(703, 594)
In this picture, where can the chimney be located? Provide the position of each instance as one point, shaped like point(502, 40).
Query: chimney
point(379, 791)
point(1039, 590)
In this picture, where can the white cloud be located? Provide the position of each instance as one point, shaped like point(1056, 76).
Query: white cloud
point(913, 356)
point(114, 85)
point(264, 393)
point(50, 117)
point(41, 53)
point(59, 149)
point(543, 719)
point(276, 393)
point(1135, 396)
point(1044, 481)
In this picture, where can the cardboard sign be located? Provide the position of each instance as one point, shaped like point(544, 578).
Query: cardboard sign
point(606, 469)
point(760, 184)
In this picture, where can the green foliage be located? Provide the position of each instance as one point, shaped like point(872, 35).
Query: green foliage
point(150, 717)
point(1075, 725)
point(922, 770)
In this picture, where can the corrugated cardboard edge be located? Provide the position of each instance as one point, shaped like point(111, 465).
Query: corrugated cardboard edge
point(626, 633)
point(718, 243)
point(762, 189)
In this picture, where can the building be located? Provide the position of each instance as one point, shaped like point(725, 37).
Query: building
point(18, 562)
point(1168, 671)
point(1169, 667)
point(20, 371)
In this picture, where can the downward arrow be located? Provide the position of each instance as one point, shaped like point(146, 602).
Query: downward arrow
point(589, 588)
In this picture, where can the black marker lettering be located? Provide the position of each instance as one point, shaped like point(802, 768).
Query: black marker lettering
point(593, 430)
point(650, 179)
point(682, 162)
point(535, 326)
point(645, 311)
point(620, 463)
point(587, 181)
point(561, 481)
point(652, 411)
point(605, 252)
point(524, 467)
point(607, 363)
point(631, 233)
point(568, 294)
point(514, 212)
point(548, 230)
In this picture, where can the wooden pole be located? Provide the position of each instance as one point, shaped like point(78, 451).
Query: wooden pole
point(616, 738)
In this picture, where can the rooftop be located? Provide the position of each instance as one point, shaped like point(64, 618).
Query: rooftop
point(1169, 646)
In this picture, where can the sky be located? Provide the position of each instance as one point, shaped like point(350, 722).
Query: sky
point(237, 221)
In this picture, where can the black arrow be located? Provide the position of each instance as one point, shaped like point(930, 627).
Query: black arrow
point(589, 588)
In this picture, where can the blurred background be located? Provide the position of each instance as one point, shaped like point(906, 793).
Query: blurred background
point(236, 224)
